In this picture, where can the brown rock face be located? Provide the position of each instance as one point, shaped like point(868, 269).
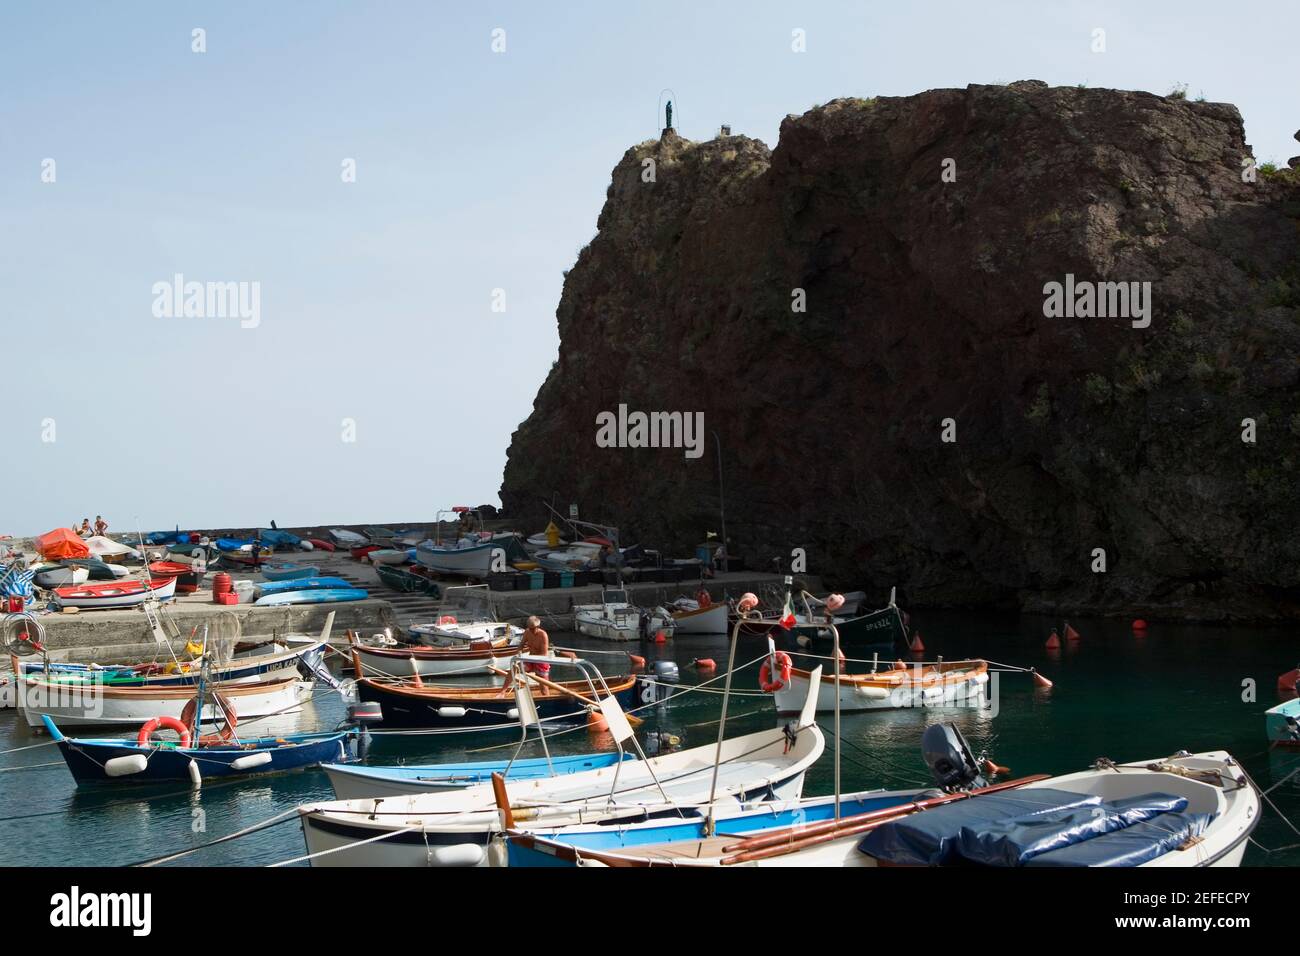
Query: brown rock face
point(925, 302)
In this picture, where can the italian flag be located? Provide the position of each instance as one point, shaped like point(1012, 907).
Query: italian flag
point(787, 613)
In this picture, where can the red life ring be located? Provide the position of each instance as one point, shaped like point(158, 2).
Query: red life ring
point(227, 731)
point(783, 664)
point(171, 723)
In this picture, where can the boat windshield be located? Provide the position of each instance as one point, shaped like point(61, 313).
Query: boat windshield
point(616, 596)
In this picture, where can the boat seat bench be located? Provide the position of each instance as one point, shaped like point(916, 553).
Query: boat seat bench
point(1037, 827)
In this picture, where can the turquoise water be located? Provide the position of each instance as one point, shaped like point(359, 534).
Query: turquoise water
point(1115, 695)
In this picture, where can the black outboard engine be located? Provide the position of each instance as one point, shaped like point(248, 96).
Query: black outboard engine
point(950, 759)
point(361, 714)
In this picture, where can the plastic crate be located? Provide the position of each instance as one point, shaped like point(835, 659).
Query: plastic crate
point(566, 579)
point(501, 582)
point(551, 579)
point(536, 580)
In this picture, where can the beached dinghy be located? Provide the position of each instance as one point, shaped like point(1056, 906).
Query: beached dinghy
point(313, 596)
point(614, 619)
point(264, 588)
point(1188, 810)
point(98, 704)
point(946, 684)
point(473, 657)
point(388, 556)
point(60, 575)
point(114, 594)
point(458, 828)
point(106, 760)
point(353, 782)
point(407, 582)
point(288, 571)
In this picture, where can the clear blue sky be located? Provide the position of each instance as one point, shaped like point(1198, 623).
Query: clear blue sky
point(475, 171)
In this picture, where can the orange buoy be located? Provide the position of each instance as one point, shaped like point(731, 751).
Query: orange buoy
point(638, 663)
point(596, 722)
point(917, 645)
point(661, 638)
point(1040, 680)
point(1053, 642)
point(1070, 633)
point(993, 769)
point(899, 666)
point(1139, 625)
point(705, 663)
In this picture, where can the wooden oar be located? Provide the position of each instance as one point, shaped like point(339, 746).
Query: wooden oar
point(632, 719)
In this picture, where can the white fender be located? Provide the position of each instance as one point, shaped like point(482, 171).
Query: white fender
point(458, 854)
point(871, 692)
point(196, 777)
point(259, 759)
point(452, 712)
point(124, 766)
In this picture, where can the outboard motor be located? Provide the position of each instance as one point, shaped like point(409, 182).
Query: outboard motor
point(360, 715)
point(950, 759)
point(667, 672)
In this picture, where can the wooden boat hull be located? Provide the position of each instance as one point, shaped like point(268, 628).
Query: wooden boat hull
point(113, 595)
point(404, 706)
point(463, 632)
point(90, 705)
point(435, 661)
point(353, 782)
point(705, 620)
point(86, 758)
point(955, 684)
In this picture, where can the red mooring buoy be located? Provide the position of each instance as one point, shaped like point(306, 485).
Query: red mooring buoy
point(1054, 641)
point(1139, 625)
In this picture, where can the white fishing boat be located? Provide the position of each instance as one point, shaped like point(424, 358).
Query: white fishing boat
point(946, 684)
point(1185, 810)
point(388, 556)
point(468, 550)
point(692, 618)
point(615, 619)
point(463, 828)
point(93, 704)
point(465, 615)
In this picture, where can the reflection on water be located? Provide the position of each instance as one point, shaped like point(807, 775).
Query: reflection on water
point(1115, 695)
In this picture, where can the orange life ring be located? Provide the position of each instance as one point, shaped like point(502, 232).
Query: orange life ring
point(171, 723)
point(227, 731)
point(783, 664)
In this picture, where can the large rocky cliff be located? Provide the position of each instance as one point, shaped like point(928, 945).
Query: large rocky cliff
point(925, 302)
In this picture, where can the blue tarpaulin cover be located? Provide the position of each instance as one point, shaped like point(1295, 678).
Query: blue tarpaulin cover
point(1037, 827)
point(1015, 841)
point(932, 837)
point(1131, 846)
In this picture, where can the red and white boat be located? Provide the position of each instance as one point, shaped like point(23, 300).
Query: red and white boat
point(111, 594)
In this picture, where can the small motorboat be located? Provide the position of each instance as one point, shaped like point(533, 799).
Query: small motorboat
point(288, 571)
point(348, 539)
point(1187, 810)
point(614, 619)
point(99, 570)
point(114, 594)
point(1282, 724)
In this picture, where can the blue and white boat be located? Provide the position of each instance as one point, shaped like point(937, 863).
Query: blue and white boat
point(301, 584)
point(313, 596)
point(1282, 724)
point(471, 552)
point(118, 760)
point(354, 782)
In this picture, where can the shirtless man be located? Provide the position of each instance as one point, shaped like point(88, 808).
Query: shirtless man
point(537, 643)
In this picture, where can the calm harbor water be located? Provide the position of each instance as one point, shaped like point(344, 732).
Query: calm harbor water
point(1115, 695)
